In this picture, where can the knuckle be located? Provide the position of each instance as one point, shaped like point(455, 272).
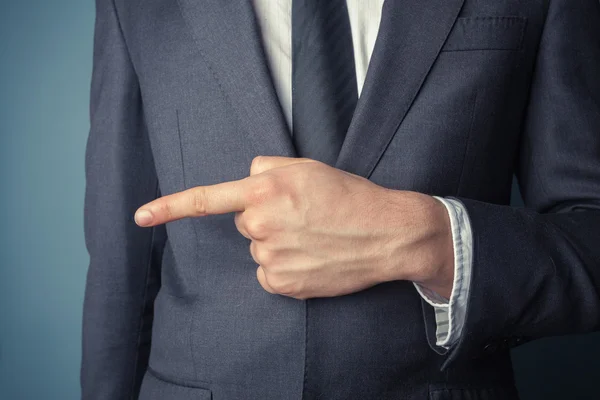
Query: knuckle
point(240, 224)
point(257, 165)
point(265, 188)
point(256, 228)
point(263, 255)
point(261, 275)
point(168, 209)
point(199, 201)
point(290, 201)
point(237, 219)
point(284, 286)
point(252, 249)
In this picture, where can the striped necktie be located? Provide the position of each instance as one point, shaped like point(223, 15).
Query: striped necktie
point(324, 90)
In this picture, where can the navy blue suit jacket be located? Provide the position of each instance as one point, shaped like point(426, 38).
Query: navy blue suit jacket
point(460, 95)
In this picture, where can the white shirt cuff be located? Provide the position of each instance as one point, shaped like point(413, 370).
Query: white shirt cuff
point(450, 313)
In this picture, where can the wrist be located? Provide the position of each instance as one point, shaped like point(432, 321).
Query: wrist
point(440, 277)
point(423, 250)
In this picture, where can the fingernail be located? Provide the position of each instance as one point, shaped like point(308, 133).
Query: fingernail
point(143, 217)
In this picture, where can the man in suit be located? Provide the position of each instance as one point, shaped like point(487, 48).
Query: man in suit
point(321, 193)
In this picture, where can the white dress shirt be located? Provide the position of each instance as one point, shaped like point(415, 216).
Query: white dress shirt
point(274, 19)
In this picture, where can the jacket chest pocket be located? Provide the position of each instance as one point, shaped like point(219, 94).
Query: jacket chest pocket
point(486, 33)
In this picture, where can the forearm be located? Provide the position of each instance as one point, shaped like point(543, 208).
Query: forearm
point(534, 275)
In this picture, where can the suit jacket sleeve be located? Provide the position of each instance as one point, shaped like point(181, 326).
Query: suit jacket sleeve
point(536, 271)
point(123, 274)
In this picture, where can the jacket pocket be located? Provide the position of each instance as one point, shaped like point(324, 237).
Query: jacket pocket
point(155, 388)
point(492, 393)
point(486, 33)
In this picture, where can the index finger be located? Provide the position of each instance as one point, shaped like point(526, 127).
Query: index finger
point(199, 201)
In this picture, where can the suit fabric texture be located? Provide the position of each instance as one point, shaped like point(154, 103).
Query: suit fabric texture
point(459, 96)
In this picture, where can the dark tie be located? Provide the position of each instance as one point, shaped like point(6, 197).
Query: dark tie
point(324, 92)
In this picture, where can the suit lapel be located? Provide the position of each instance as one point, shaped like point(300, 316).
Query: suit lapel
point(410, 37)
point(229, 39)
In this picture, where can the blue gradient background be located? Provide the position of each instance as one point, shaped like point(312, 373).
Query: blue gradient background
point(45, 66)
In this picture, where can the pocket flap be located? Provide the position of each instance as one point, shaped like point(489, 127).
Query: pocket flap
point(486, 33)
point(154, 388)
point(492, 393)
